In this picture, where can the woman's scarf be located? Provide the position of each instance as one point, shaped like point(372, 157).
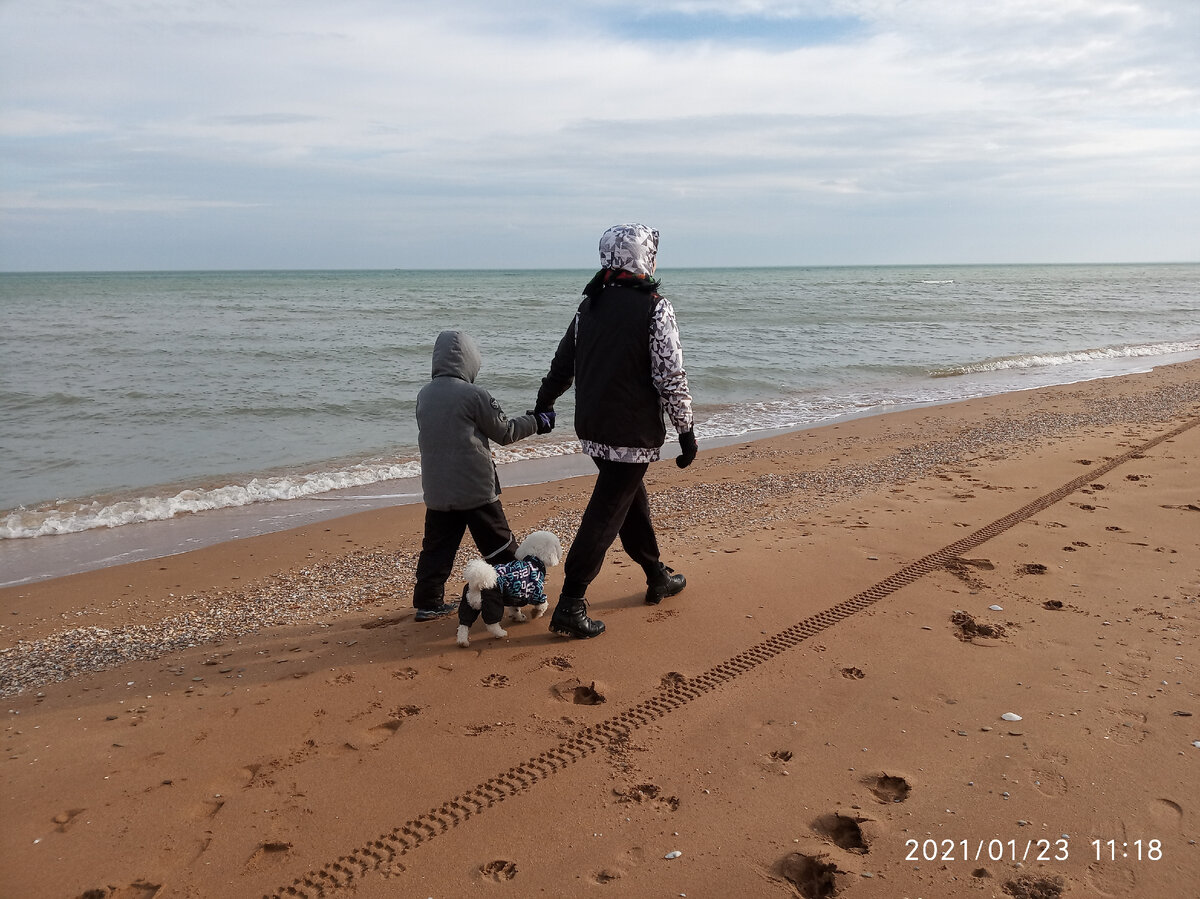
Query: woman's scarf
point(607, 277)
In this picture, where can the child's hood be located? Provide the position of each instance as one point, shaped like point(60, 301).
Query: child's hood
point(456, 355)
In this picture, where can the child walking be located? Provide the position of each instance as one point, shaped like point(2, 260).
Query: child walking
point(456, 419)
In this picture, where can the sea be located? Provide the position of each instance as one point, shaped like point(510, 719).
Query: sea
point(140, 397)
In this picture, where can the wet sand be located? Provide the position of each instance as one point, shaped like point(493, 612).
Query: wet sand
point(820, 712)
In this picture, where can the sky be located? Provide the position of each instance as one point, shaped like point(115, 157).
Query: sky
point(280, 134)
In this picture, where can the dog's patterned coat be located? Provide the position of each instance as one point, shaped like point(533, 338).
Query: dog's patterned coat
point(522, 581)
point(518, 583)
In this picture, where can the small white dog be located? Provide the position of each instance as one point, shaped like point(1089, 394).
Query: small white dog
point(490, 588)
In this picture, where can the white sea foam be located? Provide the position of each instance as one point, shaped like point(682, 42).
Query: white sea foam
point(68, 518)
point(71, 517)
point(1040, 360)
point(533, 450)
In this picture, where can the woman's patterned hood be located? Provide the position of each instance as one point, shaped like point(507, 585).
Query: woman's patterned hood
point(630, 248)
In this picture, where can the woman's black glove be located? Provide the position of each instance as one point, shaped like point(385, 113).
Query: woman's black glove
point(687, 443)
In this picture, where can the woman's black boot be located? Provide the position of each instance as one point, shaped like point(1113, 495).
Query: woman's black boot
point(570, 618)
point(663, 582)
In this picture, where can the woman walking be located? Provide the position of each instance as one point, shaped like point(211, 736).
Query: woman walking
point(623, 354)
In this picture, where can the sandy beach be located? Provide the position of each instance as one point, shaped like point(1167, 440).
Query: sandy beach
point(946, 652)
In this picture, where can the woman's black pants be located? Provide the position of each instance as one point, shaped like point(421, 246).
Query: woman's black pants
point(618, 507)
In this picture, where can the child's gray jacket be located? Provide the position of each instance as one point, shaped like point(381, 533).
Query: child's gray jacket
point(455, 419)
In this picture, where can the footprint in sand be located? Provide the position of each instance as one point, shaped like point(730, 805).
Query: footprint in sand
point(269, 851)
point(1049, 781)
point(1029, 886)
point(475, 730)
point(843, 831)
point(1110, 879)
point(499, 870)
point(813, 875)
point(384, 622)
point(967, 571)
point(981, 564)
point(262, 774)
point(647, 793)
point(1167, 815)
point(1126, 726)
point(967, 628)
point(139, 889)
point(253, 770)
point(575, 691)
point(384, 730)
point(202, 847)
point(672, 679)
point(632, 857)
point(889, 788)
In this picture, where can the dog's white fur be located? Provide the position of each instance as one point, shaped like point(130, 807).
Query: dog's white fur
point(479, 576)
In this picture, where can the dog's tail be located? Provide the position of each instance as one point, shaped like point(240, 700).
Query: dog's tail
point(479, 575)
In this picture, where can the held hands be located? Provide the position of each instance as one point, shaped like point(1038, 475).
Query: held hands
point(687, 443)
point(545, 419)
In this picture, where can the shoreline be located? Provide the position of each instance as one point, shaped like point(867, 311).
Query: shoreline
point(28, 560)
point(263, 716)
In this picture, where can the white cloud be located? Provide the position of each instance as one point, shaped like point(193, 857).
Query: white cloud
point(369, 114)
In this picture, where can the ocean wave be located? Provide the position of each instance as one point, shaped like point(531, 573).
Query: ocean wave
point(20, 401)
point(740, 419)
point(1041, 360)
point(69, 517)
point(72, 517)
point(533, 450)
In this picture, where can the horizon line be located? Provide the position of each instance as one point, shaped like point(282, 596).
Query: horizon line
point(180, 271)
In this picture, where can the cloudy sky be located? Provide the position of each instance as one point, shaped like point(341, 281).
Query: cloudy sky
point(167, 134)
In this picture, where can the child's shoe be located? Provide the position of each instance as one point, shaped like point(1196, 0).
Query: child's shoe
point(438, 612)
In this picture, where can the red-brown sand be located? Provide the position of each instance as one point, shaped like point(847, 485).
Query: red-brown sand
point(820, 713)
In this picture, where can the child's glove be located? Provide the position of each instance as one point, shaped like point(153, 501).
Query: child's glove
point(545, 420)
point(687, 443)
